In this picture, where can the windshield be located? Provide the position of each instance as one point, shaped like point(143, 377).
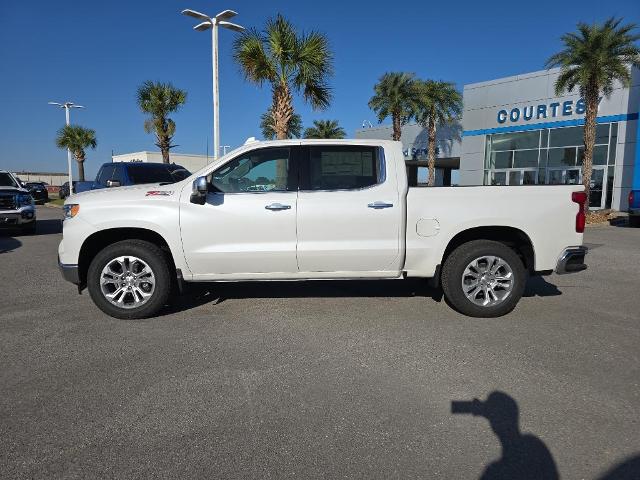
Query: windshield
point(150, 173)
point(7, 180)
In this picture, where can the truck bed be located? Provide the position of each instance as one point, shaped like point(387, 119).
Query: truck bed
point(545, 213)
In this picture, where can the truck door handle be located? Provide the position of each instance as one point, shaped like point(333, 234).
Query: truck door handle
point(277, 206)
point(379, 205)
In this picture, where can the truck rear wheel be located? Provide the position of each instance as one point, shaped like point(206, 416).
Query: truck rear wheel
point(483, 278)
point(129, 279)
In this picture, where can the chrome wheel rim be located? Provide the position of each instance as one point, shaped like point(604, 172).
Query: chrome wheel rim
point(127, 282)
point(487, 281)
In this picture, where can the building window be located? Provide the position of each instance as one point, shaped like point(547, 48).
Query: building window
point(552, 156)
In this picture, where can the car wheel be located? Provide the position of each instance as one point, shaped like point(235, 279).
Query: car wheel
point(483, 278)
point(634, 221)
point(129, 279)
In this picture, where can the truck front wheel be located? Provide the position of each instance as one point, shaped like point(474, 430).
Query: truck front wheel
point(129, 279)
point(483, 278)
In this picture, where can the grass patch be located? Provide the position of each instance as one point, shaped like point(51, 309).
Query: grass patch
point(57, 201)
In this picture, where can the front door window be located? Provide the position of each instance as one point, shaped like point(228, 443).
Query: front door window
point(264, 170)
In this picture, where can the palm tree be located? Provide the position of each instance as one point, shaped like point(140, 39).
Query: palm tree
point(159, 100)
point(294, 129)
point(395, 95)
point(439, 103)
point(288, 61)
point(325, 129)
point(593, 58)
point(77, 139)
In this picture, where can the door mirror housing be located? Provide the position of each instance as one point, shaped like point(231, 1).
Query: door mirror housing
point(199, 190)
point(113, 183)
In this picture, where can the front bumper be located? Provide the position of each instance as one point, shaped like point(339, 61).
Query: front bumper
point(69, 272)
point(16, 218)
point(572, 260)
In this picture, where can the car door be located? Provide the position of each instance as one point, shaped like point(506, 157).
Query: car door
point(247, 226)
point(350, 215)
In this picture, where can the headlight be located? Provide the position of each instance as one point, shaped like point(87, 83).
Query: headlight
point(71, 210)
point(24, 200)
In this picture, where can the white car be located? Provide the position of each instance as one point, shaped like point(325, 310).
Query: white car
point(335, 209)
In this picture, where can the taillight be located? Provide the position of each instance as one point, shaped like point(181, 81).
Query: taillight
point(580, 198)
point(631, 198)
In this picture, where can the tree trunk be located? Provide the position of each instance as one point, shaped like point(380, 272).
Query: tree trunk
point(282, 110)
point(164, 143)
point(397, 126)
point(431, 151)
point(591, 101)
point(80, 160)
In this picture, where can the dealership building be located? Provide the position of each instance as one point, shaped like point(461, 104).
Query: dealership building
point(516, 131)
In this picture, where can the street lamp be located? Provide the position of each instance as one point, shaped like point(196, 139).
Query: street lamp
point(67, 106)
point(212, 23)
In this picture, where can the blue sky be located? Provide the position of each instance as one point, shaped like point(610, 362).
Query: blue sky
point(97, 53)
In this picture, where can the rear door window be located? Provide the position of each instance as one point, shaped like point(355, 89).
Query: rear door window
point(342, 167)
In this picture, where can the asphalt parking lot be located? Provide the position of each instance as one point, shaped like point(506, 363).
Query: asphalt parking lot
point(321, 379)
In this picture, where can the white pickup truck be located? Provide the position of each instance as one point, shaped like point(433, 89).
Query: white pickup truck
point(317, 209)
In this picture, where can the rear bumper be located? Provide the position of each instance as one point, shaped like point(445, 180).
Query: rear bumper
point(634, 211)
point(69, 272)
point(572, 260)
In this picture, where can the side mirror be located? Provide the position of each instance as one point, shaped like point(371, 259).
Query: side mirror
point(113, 183)
point(199, 191)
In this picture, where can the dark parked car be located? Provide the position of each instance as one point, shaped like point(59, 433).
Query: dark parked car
point(64, 189)
point(38, 191)
point(120, 174)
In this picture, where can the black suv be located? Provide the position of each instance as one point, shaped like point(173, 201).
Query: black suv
point(38, 191)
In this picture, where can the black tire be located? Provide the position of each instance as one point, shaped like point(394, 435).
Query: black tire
point(147, 252)
point(455, 265)
point(634, 221)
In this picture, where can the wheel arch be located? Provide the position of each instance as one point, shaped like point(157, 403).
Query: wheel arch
point(512, 237)
point(97, 241)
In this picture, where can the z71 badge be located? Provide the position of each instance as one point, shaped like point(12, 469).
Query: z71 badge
point(154, 193)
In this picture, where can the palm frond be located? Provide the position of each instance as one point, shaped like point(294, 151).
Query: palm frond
point(289, 61)
point(325, 129)
point(395, 95)
point(596, 56)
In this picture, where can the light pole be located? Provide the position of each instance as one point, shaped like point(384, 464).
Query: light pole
point(67, 106)
point(213, 23)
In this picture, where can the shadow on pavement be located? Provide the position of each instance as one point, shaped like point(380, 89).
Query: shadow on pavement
point(625, 222)
point(48, 227)
point(8, 243)
point(539, 287)
point(199, 294)
point(629, 469)
point(524, 456)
